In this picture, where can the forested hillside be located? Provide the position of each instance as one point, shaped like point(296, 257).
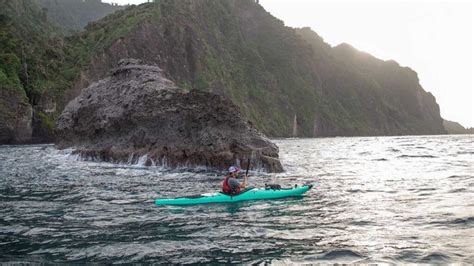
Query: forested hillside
point(276, 74)
point(73, 15)
point(456, 128)
point(31, 55)
point(286, 81)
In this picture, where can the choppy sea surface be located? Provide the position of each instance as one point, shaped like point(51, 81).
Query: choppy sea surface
point(403, 199)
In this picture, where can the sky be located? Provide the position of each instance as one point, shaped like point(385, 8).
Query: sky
point(434, 38)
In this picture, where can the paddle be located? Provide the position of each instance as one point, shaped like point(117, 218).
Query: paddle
point(247, 172)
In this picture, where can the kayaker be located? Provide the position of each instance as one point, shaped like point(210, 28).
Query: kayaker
point(231, 185)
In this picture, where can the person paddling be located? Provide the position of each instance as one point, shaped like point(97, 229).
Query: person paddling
point(231, 185)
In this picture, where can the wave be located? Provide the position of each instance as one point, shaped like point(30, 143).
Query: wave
point(457, 221)
point(417, 156)
point(436, 257)
point(361, 223)
point(426, 189)
point(342, 254)
point(457, 190)
point(137, 161)
point(99, 203)
point(354, 190)
point(465, 152)
point(463, 221)
point(370, 191)
point(408, 256)
point(416, 256)
point(421, 148)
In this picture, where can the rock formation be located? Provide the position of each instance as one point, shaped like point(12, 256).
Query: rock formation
point(271, 72)
point(15, 117)
point(456, 128)
point(73, 15)
point(138, 113)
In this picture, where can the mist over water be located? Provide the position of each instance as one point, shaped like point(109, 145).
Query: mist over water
point(377, 199)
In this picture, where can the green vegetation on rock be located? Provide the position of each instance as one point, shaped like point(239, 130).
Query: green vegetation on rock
point(73, 15)
point(230, 47)
point(31, 49)
point(456, 128)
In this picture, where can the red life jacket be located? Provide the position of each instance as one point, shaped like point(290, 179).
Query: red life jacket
point(227, 189)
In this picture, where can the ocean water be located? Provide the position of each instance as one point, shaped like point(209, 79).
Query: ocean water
point(403, 199)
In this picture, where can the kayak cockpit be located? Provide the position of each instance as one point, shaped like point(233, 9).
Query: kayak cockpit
point(240, 193)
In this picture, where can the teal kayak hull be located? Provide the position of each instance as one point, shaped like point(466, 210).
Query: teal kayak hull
point(249, 194)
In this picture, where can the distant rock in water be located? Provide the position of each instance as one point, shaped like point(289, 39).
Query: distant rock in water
point(137, 113)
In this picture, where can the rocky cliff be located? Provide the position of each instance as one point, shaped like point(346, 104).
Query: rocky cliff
point(15, 116)
point(73, 15)
point(456, 128)
point(31, 52)
point(399, 104)
point(276, 75)
point(137, 113)
point(287, 81)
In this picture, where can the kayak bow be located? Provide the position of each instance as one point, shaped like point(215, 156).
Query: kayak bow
point(248, 194)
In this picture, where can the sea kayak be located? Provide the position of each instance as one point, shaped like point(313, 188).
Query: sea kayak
point(248, 194)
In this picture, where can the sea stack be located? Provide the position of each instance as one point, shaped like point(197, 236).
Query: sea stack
point(138, 114)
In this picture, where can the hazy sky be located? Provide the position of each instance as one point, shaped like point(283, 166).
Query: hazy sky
point(435, 38)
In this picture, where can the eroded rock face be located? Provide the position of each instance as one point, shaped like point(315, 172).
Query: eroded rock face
point(137, 111)
point(15, 117)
